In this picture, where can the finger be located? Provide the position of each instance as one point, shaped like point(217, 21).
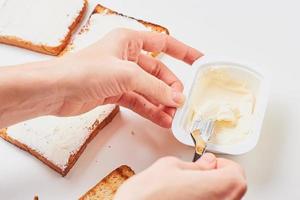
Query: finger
point(223, 183)
point(208, 161)
point(141, 106)
point(219, 183)
point(159, 42)
point(151, 87)
point(223, 163)
point(159, 70)
point(171, 111)
point(226, 182)
point(162, 72)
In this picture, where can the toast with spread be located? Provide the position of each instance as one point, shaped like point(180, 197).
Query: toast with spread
point(43, 26)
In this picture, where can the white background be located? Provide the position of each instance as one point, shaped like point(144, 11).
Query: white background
point(264, 32)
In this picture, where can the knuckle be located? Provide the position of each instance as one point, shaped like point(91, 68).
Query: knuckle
point(128, 77)
point(132, 103)
point(165, 39)
point(177, 85)
point(121, 34)
point(181, 85)
point(156, 70)
point(235, 185)
point(161, 88)
point(238, 185)
point(243, 186)
point(133, 49)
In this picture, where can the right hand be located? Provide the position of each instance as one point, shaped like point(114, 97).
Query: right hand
point(170, 178)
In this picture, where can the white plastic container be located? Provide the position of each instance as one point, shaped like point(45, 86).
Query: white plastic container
point(257, 80)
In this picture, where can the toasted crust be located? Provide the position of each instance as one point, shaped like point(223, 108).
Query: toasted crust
point(51, 50)
point(73, 158)
point(155, 27)
point(109, 185)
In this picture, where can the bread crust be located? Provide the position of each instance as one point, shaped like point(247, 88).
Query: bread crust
point(50, 50)
point(109, 185)
point(155, 27)
point(73, 158)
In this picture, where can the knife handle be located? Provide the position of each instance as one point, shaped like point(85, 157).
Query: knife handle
point(196, 156)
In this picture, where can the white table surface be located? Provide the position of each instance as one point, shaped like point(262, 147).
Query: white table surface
point(264, 32)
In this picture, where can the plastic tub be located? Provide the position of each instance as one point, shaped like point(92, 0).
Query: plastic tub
point(258, 83)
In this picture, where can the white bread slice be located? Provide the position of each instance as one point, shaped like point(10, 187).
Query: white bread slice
point(58, 142)
point(44, 26)
point(108, 186)
point(103, 20)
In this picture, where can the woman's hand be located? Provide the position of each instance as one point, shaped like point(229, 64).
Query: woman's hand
point(210, 178)
point(116, 70)
point(113, 70)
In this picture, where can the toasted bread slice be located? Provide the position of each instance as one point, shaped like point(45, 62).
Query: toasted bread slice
point(59, 142)
point(43, 26)
point(108, 186)
point(103, 20)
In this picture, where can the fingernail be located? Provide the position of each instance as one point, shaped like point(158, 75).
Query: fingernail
point(178, 98)
point(208, 158)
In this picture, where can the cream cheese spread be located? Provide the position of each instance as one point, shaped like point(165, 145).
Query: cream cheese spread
point(42, 22)
point(57, 138)
point(226, 100)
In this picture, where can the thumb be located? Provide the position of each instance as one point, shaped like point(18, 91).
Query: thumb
point(154, 88)
point(206, 162)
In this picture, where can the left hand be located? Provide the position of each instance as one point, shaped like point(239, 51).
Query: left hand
point(115, 70)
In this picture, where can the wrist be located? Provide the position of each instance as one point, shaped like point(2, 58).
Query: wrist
point(28, 91)
point(50, 93)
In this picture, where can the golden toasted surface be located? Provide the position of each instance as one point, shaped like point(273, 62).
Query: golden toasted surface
point(108, 186)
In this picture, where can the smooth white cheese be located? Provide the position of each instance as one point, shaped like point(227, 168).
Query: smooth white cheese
point(42, 22)
point(57, 138)
point(228, 101)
